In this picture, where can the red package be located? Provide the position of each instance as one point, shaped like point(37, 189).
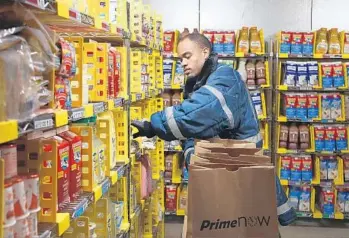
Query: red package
point(218, 37)
point(313, 106)
point(297, 38)
point(75, 162)
point(117, 74)
point(229, 37)
point(286, 37)
point(307, 168)
point(63, 171)
point(286, 162)
point(61, 93)
point(308, 38)
point(111, 78)
point(209, 35)
point(341, 138)
point(65, 68)
point(327, 201)
point(171, 198)
point(169, 40)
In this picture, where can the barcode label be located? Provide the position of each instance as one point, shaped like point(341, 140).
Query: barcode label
point(77, 115)
point(98, 108)
point(43, 124)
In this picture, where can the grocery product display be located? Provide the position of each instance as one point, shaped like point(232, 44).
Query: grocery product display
point(66, 162)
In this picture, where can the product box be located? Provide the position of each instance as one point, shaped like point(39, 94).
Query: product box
point(75, 160)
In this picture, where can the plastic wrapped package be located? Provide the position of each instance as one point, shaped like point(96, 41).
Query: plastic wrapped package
point(17, 91)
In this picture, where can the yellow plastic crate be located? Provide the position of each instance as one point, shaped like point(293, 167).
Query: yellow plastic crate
point(176, 171)
point(160, 148)
point(148, 220)
point(101, 83)
point(106, 131)
point(122, 135)
point(136, 173)
point(155, 166)
point(79, 228)
point(135, 74)
point(136, 11)
point(89, 68)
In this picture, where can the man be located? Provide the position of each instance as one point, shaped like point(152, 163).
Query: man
point(217, 103)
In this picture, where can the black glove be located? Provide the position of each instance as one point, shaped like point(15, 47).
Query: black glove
point(144, 129)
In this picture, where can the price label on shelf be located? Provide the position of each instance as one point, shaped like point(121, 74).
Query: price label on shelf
point(80, 209)
point(98, 108)
point(77, 114)
point(36, 3)
point(42, 124)
point(138, 96)
point(105, 187)
point(118, 102)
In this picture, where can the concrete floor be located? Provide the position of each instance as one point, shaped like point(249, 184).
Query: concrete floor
point(301, 229)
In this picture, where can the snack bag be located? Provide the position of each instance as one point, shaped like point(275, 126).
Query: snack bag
point(290, 73)
point(341, 138)
point(327, 75)
point(302, 106)
point(169, 41)
point(291, 105)
point(319, 138)
point(286, 39)
point(336, 107)
point(304, 200)
point(255, 41)
point(307, 168)
point(302, 75)
point(243, 42)
point(285, 172)
point(297, 43)
point(296, 169)
point(321, 46)
point(313, 73)
point(338, 75)
point(313, 106)
point(330, 142)
point(229, 42)
point(218, 42)
point(334, 46)
point(326, 106)
point(308, 42)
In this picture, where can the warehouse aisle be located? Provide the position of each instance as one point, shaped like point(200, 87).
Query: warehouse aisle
point(302, 229)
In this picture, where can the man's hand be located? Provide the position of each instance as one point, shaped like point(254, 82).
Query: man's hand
point(144, 129)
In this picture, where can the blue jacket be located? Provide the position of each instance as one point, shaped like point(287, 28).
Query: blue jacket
point(219, 105)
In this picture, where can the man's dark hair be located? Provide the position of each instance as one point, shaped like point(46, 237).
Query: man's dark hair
point(199, 39)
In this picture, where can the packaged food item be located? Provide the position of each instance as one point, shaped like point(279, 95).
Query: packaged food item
point(319, 132)
point(307, 168)
point(243, 41)
point(332, 168)
point(9, 210)
point(295, 193)
point(33, 224)
point(297, 43)
point(338, 74)
point(341, 138)
point(168, 66)
point(313, 74)
point(336, 106)
point(330, 140)
point(31, 183)
point(302, 75)
point(321, 45)
point(9, 231)
point(290, 105)
point(286, 39)
point(334, 46)
point(326, 106)
point(327, 201)
point(285, 172)
point(61, 94)
point(169, 41)
point(179, 74)
point(75, 162)
point(218, 42)
point(293, 134)
point(66, 58)
point(323, 168)
point(229, 42)
point(296, 169)
point(290, 73)
point(346, 103)
point(111, 78)
point(22, 228)
point(342, 200)
point(304, 199)
point(346, 168)
point(257, 102)
point(313, 106)
point(260, 73)
point(308, 42)
point(346, 43)
point(327, 75)
point(251, 73)
point(19, 199)
point(63, 171)
point(255, 41)
point(171, 198)
point(347, 202)
point(209, 35)
point(304, 136)
point(283, 133)
point(176, 99)
point(8, 152)
point(183, 197)
point(302, 106)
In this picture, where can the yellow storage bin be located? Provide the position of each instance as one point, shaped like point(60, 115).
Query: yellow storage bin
point(89, 68)
point(122, 135)
point(136, 73)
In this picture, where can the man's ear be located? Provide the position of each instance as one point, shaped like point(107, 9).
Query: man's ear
point(206, 53)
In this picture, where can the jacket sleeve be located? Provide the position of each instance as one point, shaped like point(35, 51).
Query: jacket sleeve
point(188, 150)
point(204, 115)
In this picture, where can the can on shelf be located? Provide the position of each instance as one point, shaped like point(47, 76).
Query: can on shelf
point(22, 228)
point(33, 224)
point(9, 210)
point(31, 183)
point(9, 154)
point(20, 199)
point(9, 232)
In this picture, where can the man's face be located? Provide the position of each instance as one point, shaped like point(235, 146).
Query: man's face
point(193, 57)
